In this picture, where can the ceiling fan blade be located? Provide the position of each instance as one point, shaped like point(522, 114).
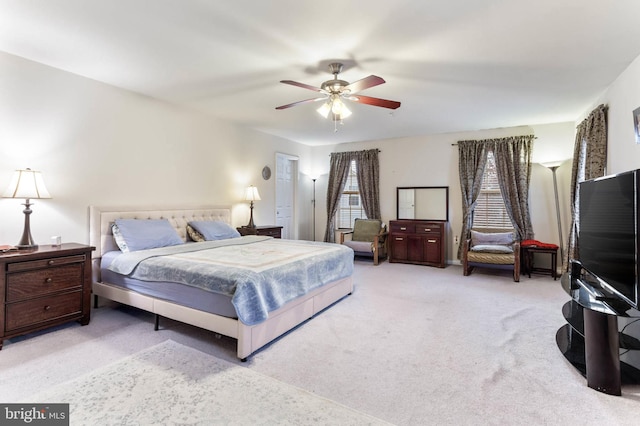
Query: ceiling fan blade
point(304, 86)
point(375, 101)
point(365, 83)
point(301, 102)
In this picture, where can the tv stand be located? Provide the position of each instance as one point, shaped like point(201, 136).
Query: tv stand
point(591, 340)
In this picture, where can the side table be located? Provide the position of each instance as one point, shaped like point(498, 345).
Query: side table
point(526, 254)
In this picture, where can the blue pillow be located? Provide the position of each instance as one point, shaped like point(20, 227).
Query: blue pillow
point(142, 234)
point(212, 230)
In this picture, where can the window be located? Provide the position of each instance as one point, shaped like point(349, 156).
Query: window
point(350, 207)
point(490, 211)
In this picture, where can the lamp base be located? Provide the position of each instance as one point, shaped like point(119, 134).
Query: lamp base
point(251, 224)
point(26, 241)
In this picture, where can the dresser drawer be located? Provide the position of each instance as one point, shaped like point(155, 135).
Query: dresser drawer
point(39, 310)
point(407, 228)
point(428, 228)
point(24, 285)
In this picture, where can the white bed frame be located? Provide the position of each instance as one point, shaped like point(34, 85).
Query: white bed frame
point(250, 338)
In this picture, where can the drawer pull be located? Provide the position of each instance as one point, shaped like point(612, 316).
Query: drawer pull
point(51, 262)
point(427, 229)
point(399, 239)
point(47, 307)
point(48, 280)
point(403, 228)
point(431, 241)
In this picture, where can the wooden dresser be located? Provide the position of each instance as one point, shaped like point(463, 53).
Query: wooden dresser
point(421, 242)
point(44, 287)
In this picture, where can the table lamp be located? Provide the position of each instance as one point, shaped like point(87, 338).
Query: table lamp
point(26, 184)
point(251, 195)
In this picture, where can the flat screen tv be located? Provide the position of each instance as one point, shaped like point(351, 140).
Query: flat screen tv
point(608, 233)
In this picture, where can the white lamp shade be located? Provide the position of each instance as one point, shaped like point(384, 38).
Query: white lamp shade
point(26, 184)
point(324, 109)
point(252, 194)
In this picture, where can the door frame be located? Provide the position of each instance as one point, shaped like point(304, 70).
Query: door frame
point(294, 212)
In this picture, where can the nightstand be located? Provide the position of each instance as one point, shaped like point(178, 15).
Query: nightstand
point(268, 230)
point(44, 287)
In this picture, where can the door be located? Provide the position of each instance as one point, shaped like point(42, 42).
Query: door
point(286, 172)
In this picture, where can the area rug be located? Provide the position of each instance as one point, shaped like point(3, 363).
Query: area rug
point(173, 384)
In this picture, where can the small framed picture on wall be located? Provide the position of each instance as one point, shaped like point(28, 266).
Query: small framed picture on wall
point(636, 123)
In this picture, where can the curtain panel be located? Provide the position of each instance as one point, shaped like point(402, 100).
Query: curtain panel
point(589, 162)
point(513, 168)
point(471, 164)
point(368, 172)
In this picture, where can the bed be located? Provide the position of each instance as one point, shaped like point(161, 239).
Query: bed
point(211, 310)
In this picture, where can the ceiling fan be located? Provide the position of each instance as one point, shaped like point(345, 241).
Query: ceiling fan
point(335, 91)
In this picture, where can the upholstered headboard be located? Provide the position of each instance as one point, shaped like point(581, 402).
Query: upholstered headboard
point(101, 219)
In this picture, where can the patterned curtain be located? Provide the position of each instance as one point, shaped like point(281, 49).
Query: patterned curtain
point(589, 161)
point(368, 170)
point(513, 168)
point(471, 164)
point(338, 172)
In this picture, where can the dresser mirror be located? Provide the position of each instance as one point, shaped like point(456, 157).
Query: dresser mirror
point(423, 202)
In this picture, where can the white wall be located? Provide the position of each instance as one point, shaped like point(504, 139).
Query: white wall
point(96, 144)
point(433, 161)
point(622, 97)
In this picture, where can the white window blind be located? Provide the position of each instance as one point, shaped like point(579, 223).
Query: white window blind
point(350, 207)
point(490, 211)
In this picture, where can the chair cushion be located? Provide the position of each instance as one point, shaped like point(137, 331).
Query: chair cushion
point(492, 248)
point(366, 229)
point(359, 246)
point(491, 258)
point(494, 238)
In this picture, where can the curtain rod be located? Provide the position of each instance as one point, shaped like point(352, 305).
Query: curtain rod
point(349, 151)
point(455, 144)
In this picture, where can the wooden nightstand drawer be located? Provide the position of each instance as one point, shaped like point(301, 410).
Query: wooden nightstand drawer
point(270, 233)
point(34, 311)
point(44, 263)
point(24, 285)
point(266, 230)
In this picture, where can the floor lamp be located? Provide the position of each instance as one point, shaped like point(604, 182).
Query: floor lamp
point(314, 208)
point(553, 167)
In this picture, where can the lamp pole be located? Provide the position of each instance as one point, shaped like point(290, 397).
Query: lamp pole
point(314, 208)
point(555, 189)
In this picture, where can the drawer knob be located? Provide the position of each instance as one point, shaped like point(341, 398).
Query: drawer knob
point(47, 307)
point(48, 280)
point(51, 262)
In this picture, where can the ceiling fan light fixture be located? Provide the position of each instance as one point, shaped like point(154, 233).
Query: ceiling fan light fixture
point(325, 109)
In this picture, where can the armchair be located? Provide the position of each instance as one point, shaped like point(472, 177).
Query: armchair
point(492, 249)
point(368, 238)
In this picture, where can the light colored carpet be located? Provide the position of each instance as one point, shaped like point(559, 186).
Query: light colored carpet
point(413, 345)
point(173, 384)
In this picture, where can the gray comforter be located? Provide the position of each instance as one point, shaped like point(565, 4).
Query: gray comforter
point(261, 274)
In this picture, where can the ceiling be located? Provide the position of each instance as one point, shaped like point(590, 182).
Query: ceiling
point(455, 65)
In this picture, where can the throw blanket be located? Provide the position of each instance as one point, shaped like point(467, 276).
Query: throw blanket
point(261, 274)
